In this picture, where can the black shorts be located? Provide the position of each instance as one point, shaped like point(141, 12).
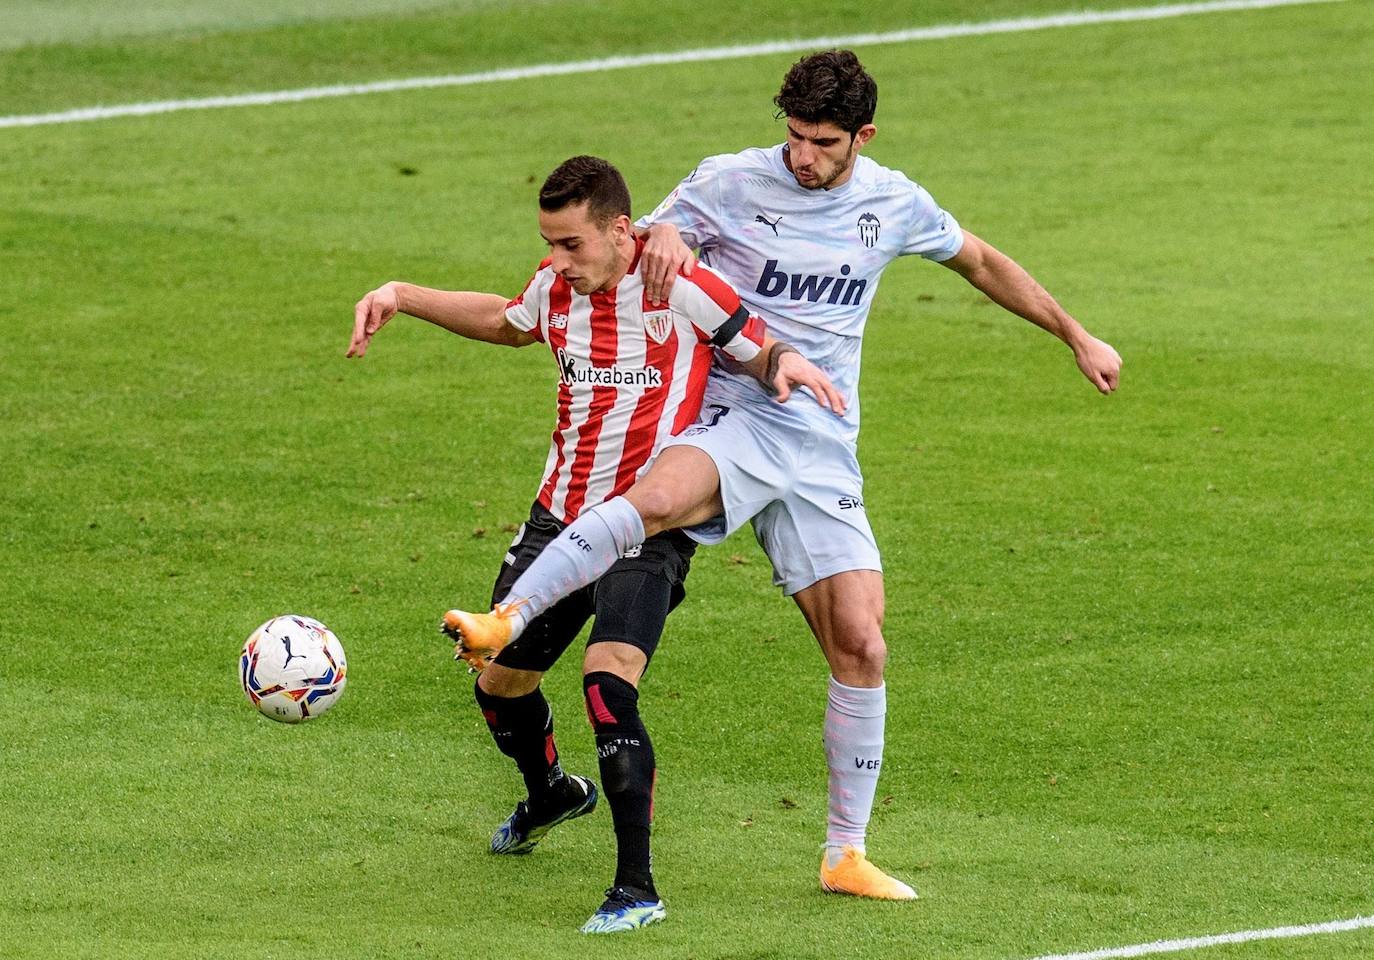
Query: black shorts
point(630, 602)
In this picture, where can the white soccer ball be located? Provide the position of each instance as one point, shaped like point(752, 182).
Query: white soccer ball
point(292, 668)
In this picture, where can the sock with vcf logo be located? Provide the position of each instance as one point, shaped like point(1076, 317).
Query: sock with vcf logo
point(587, 548)
point(627, 773)
point(854, 720)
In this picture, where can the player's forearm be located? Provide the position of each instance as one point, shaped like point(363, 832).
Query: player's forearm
point(477, 316)
point(1007, 284)
point(764, 366)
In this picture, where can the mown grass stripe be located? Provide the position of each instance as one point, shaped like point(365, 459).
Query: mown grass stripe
point(699, 55)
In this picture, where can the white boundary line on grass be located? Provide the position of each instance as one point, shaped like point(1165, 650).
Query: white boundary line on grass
point(699, 55)
point(1196, 943)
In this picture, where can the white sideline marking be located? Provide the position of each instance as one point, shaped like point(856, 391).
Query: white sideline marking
point(650, 59)
point(1196, 943)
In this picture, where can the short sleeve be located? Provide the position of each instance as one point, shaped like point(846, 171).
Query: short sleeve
point(933, 232)
point(524, 312)
point(693, 206)
point(716, 312)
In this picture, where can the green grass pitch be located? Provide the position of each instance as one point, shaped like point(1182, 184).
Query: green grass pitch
point(1130, 637)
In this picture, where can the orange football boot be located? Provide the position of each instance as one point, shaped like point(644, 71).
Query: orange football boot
point(478, 637)
point(855, 875)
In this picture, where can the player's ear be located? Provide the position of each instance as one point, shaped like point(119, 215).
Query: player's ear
point(621, 228)
point(863, 135)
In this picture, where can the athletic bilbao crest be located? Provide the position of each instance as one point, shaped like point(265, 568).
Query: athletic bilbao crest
point(658, 324)
point(869, 226)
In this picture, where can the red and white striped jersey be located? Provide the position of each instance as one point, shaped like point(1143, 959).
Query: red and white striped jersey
point(630, 374)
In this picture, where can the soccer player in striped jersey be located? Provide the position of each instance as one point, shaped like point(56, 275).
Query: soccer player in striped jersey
point(631, 374)
point(804, 230)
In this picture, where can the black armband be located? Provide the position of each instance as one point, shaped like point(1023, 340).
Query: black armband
point(730, 329)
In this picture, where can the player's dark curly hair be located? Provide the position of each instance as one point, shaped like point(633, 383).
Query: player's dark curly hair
point(589, 179)
point(829, 87)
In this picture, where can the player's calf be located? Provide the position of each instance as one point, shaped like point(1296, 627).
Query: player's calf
point(626, 759)
point(522, 728)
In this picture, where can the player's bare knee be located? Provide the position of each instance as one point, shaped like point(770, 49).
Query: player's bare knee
point(857, 656)
point(624, 660)
point(865, 647)
point(872, 651)
point(657, 505)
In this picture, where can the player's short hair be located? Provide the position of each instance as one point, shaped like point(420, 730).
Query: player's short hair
point(588, 179)
point(829, 87)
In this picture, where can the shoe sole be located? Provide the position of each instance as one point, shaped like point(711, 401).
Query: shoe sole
point(867, 896)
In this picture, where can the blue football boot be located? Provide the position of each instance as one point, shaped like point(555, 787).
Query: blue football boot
point(522, 832)
point(626, 908)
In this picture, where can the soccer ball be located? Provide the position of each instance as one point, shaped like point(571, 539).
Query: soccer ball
point(292, 668)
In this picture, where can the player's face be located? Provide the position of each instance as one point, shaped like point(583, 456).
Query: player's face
point(821, 155)
point(586, 254)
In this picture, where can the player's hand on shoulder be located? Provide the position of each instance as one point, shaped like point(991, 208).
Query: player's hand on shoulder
point(370, 314)
point(664, 255)
point(1099, 362)
point(788, 370)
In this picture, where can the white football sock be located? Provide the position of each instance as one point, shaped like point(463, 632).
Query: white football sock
point(854, 718)
point(579, 555)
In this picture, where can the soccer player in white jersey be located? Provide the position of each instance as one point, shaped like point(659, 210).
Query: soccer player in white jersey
point(804, 230)
point(631, 375)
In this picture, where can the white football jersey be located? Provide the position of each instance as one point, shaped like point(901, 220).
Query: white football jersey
point(808, 261)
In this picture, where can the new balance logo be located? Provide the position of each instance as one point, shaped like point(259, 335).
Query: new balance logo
point(810, 287)
point(572, 371)
point(558, 320)
point(772, 224)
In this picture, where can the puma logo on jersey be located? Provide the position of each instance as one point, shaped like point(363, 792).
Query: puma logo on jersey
point(810, 287)
point(772, 224)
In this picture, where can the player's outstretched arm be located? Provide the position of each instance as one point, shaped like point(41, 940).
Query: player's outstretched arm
point(477, 316)
point(1008, 284)
point(780, 368)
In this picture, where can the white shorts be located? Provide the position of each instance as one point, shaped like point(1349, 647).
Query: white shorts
point(800, 485)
